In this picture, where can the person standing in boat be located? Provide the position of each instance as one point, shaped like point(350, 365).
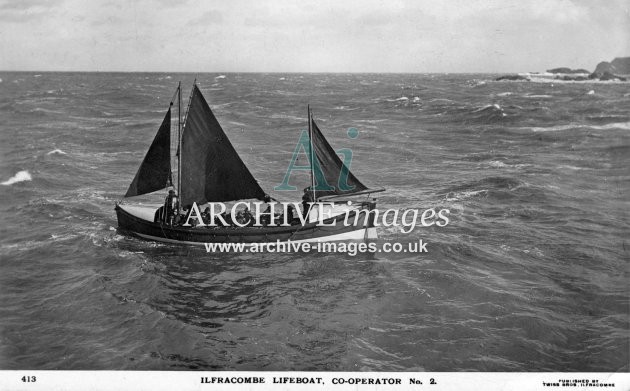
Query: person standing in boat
point(205, 216)
point(265, 218)
point(171, 207)
point(290, 215)
point(307, 198)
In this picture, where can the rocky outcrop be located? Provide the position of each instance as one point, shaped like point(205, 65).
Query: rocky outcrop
point(512, 78)
point(618, 66)
point(567, 70)
point(606, 76)
point(571, 78)
point(605, 71)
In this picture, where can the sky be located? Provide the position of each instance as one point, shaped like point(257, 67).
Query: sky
point(311, 36)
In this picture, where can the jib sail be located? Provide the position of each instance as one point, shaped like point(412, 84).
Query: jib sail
point(155, 171)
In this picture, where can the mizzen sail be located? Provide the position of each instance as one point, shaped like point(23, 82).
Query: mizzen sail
point(155, 171)
point(211, 170)
point(332, 176)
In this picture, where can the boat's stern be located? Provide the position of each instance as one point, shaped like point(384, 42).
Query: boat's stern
point(129, 216)
point(366, 220)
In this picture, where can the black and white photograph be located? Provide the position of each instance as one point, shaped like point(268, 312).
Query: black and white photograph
point(313, 195)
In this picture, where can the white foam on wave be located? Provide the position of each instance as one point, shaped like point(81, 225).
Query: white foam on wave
point(547, 80)
point(464, 195)
point(62, 237)
point(574, 168)
point(287, 116)
point(486, 107)
point(591, 92)
point(219, 77)
point(21, 176)
point(555, 128)
point(538, 96)
point(22, 246)
point(497, 164)
point(56, 151)
point(614, 125)
point(504, 94)
point(500, 164)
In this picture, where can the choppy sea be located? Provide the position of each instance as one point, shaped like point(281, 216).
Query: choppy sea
point(531, 274)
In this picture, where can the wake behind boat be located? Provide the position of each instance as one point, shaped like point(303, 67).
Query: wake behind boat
point(210, 171)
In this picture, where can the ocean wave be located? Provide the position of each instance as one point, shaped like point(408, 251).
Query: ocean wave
point(492, 107)
point(441, 100)
point(489, 186)
point(24, 245)
point(554, 128)
point(56, 151)
point(481, 156)
point(21, 176)
point(63, 237)
point(400, 99)
point(287, 116)
point(613, 125)
point(487, 113)
point(464, 195)
point(546, 80)
point(497, 164)
point(500, 164)
point(542, 96)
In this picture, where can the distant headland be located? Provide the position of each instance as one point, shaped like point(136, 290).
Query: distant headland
point(618, 69)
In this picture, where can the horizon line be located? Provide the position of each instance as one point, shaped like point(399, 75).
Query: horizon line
point(271, 72)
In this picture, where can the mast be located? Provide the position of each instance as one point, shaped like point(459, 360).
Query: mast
point(179, 156)
point(310, 137)
point(179, 137)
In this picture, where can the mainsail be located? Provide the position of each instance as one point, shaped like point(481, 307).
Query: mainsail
point(155, 171)
point(335, 173)
point(211, 170)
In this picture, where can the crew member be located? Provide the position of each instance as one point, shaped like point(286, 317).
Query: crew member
point(171, 207)
point(289, 218)
point(205, 216)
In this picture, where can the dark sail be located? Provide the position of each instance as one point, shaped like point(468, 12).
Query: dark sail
point(155, 171)
point(211, 169)
point(337, 178)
